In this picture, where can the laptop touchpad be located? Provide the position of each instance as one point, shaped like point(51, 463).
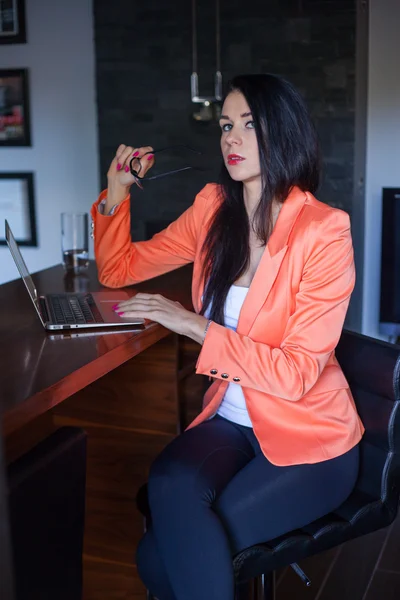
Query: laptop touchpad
point(105, 302)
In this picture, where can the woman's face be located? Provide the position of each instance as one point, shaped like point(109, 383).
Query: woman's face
point(238, 139)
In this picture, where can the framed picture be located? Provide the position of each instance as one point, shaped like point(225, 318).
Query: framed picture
point(12, 22)
point(14, 108)
point(17, 205)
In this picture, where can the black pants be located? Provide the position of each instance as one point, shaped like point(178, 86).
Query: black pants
point(213, 493)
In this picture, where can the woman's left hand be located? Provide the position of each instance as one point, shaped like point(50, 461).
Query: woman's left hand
point(168, 313)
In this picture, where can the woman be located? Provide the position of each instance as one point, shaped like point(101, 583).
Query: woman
point(276, 445)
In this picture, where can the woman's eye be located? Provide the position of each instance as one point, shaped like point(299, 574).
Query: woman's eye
point(226, 127)
point(250, 124)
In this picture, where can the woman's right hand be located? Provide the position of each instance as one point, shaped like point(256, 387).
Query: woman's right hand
point(119, 176)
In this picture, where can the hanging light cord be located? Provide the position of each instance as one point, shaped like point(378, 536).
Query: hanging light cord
point(217, 36)
point(194, 36)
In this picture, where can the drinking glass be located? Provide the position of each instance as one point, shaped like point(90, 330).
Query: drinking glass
point(75, 241)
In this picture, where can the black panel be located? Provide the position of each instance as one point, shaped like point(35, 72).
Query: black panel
point(390, 257)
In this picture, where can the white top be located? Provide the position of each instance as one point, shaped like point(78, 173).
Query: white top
point(233, 406)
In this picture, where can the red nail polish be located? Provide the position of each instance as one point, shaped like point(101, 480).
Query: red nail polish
point(126, 169)
point(135, 153)
point(120, 313)
point(150, 156)
point(118, 167)
point(115, 306)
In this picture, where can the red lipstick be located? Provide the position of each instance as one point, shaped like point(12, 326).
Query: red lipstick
point(235, 159)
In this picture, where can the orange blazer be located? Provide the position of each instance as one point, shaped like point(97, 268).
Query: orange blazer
point(283, 352)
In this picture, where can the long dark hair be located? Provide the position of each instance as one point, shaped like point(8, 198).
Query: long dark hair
point(289, 156)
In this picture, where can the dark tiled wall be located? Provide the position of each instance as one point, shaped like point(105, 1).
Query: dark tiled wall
point(144, 61)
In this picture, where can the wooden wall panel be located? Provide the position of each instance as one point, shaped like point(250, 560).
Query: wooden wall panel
point(130, 415)
point(139, 395)
point(118, 464)
point(116, 582)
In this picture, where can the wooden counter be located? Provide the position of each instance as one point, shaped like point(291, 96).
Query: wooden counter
point(125, 388)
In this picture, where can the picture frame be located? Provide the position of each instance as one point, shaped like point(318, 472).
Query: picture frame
point(12, 22)
point(15, 127)
point(17, 205)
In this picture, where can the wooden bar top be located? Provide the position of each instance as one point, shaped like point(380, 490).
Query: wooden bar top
point(40, 369)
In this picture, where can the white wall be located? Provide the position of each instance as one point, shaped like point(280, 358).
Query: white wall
point(383, 143)
point(59, 54)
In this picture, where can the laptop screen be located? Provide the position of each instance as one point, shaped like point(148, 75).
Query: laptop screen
point(22, 268)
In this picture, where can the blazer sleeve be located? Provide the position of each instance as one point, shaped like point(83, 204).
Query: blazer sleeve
point(121, 262)
point(312, 331)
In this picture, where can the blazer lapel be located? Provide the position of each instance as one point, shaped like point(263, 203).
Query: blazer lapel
point(269, 265)
point(260, 287)
point(271, 260)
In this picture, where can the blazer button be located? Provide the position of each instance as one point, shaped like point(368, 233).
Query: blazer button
point(224, 375)
point(213, 371)
point(236, 379)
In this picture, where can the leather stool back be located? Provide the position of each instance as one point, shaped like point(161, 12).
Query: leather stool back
point(372, 368)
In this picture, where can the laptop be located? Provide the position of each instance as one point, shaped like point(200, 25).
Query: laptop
point(70, 310)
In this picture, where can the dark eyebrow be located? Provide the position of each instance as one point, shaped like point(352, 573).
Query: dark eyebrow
point(246, 114)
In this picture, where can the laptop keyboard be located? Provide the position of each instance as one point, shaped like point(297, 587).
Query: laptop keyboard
point(73, 309)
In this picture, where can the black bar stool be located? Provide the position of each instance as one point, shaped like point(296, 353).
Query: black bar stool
point(372, 368)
